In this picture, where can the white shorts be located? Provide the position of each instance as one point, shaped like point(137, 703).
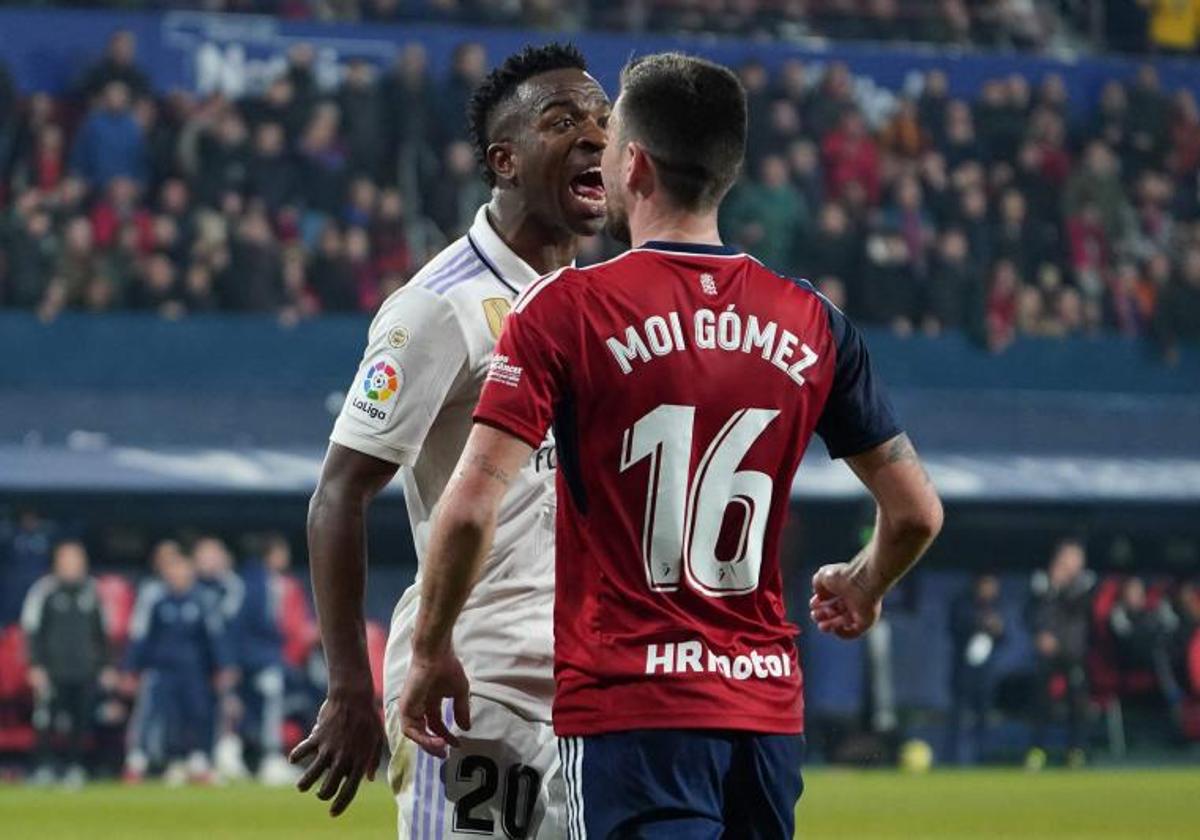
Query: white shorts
point(504, 781)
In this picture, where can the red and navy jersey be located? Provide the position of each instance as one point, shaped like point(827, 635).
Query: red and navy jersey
point(683, 383)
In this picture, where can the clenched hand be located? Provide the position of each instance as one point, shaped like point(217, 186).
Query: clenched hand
point(843, 602)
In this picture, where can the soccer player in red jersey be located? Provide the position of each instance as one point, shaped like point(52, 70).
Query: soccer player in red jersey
point(684, 381)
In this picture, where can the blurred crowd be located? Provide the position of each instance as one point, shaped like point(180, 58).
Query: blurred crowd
point(1110, 645)
point(203, 670)
point(1010, 214)
point(1015, 24)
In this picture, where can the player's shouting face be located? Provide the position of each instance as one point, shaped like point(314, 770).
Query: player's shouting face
point(546, 140)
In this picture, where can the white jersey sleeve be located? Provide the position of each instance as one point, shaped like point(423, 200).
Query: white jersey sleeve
point(415, 353)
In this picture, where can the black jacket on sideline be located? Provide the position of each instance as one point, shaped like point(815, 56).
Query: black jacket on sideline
point(64, 630)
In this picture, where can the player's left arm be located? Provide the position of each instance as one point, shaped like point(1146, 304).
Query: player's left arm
point(859, 425)
point(462, 535)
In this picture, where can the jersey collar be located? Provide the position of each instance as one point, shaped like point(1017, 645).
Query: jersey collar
point(512, 271)
point(689, 248)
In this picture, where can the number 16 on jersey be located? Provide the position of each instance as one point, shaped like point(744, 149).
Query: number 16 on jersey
point(685, 512)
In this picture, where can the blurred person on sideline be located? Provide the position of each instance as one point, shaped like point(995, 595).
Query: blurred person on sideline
point(63, 621)
point(178, 649)
point(226, 593)
point(25, 546)
point(1142, 631)
point(977, 631)
point(1059, 615)
point(260, 654)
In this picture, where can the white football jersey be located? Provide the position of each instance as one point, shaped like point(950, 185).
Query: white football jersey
point(427, 354)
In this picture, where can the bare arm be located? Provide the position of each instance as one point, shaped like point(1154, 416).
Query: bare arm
point(462, 535)
point(337, 554)
point(908, 511)
point(347, 741)
point(847, 596)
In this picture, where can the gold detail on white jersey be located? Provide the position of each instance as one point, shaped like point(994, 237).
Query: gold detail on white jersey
point(494, 309)
point(398, 337)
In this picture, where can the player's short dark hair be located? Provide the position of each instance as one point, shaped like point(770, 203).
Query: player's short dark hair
point(500, 84)
point(690, 116)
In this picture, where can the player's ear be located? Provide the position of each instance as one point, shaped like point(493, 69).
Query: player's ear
point(639, 171)
point(502, 160)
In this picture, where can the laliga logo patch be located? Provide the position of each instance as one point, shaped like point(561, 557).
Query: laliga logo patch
point(380, 385)
point(381, 382)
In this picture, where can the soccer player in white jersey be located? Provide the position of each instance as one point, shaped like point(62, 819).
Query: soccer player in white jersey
point(538, 122)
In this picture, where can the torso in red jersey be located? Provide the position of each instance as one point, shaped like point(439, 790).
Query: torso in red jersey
point(684, 383)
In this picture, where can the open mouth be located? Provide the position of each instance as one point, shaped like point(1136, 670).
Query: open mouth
point(588, 188)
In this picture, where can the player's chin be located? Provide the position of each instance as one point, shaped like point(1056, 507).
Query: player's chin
point(586, 225)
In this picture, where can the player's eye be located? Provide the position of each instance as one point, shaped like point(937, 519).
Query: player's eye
point(565, 123)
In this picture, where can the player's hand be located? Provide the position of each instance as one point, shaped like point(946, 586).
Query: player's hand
point(428, 682)
point(844, 602)
point(39, 681)
point(345, 744)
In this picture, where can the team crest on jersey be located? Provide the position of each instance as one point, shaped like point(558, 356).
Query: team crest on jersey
point(494, 309)
point(379, 385)
point(708, 284)
point(398, 337)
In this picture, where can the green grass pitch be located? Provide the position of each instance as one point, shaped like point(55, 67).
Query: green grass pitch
point(1142, 804)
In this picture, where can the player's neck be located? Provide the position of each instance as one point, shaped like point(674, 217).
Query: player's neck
point(544, 249)
point(655, 224)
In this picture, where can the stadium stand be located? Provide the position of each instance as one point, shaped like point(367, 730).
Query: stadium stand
point(934, 212)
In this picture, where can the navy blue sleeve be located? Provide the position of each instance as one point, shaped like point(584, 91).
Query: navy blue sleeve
point(858, 414)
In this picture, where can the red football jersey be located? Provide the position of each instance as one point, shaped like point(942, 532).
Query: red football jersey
point(683, 383)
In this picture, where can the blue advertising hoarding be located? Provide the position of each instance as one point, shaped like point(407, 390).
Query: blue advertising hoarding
point(234, 54)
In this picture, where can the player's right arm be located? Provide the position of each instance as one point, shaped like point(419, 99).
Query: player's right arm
point(414, 354)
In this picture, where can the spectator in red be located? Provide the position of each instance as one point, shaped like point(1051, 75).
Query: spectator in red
point(1049, 136)
point(1002, 306)
point(120, 207)
point(46, 167)
point(1184, 157)
point(1088, 248)
point(849, 156)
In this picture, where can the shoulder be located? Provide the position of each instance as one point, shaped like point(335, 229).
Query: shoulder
point(42, 588)
point(804, 293)
point(547, 288)
point(567, 281)
point(456, 264)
